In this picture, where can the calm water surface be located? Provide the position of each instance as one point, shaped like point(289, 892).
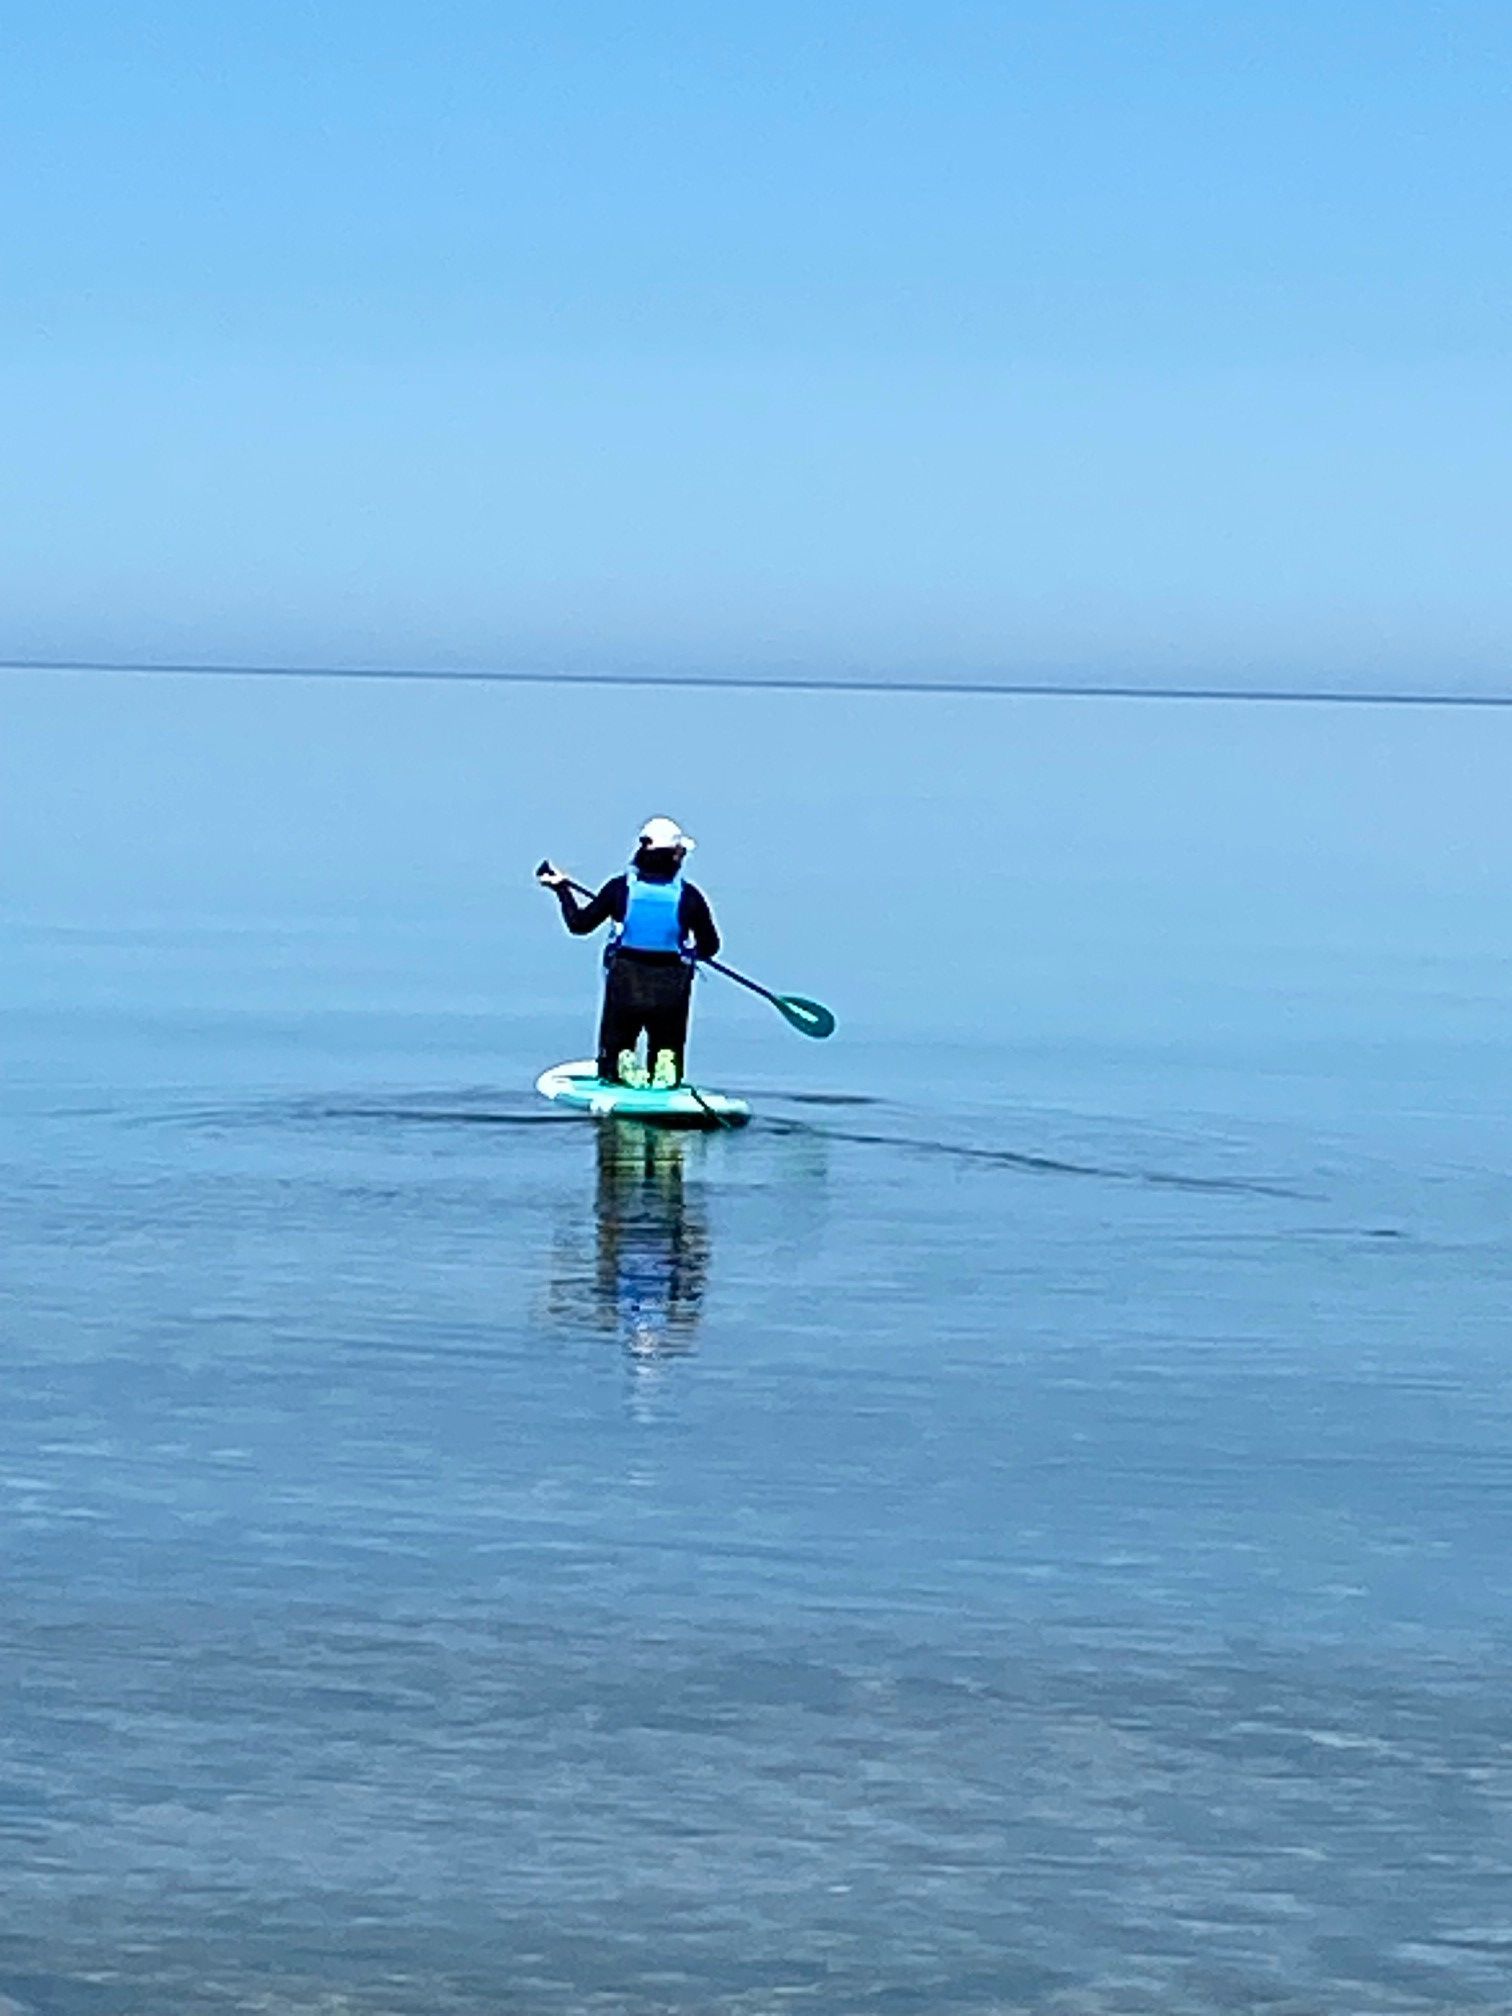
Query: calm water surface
point(1027, 1526)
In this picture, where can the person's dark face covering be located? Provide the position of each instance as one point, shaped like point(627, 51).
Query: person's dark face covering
point(657, 864)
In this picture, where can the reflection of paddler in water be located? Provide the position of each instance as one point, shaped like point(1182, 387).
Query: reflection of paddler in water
point(640, 1274)
point(651, 1256)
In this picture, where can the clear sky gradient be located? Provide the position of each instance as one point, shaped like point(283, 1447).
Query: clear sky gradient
point(1131, 341)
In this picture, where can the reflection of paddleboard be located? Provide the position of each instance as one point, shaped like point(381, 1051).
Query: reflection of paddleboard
point(580, 1087)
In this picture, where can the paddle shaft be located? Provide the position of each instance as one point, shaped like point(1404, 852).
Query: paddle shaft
point(718, 965)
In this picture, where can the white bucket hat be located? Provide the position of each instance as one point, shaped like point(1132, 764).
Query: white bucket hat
point(665, 833)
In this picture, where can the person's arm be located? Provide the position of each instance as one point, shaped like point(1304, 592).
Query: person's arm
point(698, 923)
point(581, 918)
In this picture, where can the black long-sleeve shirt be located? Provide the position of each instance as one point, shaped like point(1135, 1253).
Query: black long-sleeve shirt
point(694, 917)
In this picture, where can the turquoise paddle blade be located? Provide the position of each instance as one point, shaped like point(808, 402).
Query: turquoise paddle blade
point(809, 1018)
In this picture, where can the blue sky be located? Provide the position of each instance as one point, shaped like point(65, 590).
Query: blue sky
point(1129, 340)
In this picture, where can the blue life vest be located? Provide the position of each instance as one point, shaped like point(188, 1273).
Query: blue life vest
point(653, 916)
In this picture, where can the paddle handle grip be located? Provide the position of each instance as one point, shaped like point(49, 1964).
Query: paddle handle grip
point(577, 888)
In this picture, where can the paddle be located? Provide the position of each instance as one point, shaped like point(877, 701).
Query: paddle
point(809, 1018)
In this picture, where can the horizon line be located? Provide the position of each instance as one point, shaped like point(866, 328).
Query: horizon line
point(1037, 689)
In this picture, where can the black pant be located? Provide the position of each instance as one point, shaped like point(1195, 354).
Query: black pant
point(644, 992)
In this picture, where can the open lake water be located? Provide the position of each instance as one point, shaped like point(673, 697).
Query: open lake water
point(1025, 1526)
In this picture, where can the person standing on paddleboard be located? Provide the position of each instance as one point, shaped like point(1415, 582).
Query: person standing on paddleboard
point(659, 927)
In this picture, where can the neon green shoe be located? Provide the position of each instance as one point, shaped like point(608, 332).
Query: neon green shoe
point(631, 1070)
point(664, 1077)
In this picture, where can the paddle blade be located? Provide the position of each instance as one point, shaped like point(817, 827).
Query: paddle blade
point(810, 1018)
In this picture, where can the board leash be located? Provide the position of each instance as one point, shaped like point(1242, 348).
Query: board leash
point(714, 1114)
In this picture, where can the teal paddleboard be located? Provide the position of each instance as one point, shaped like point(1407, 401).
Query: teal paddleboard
point(580, 1087)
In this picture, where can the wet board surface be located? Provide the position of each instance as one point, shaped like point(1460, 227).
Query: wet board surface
point(580, 1087)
